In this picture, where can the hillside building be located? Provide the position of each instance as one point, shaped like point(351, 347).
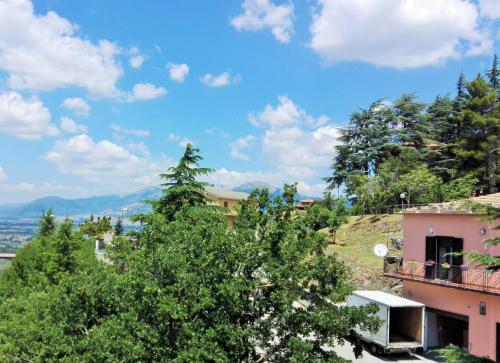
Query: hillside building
point(462, 299)
point(228, 199)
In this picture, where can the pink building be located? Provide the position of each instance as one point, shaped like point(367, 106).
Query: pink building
point(462, 300)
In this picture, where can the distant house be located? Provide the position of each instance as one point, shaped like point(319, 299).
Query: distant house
point(228, 199)
point(462, 299)
point(304, 204)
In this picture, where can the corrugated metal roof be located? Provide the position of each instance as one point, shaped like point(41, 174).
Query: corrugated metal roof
point(226, 194)
point(387, 299)
point(456, 207)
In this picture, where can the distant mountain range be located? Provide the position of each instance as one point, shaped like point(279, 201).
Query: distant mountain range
point(110, 205)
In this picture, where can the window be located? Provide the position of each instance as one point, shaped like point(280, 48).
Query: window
point(226, 204)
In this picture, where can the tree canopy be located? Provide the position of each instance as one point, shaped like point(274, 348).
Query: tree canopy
point(190, 288)
point(452, 146)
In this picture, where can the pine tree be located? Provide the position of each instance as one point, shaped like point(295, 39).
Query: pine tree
point(479, 146)
point(414, 128)
point(494, 74)
point(181, 187)
point(47, 224)
point(118, 227)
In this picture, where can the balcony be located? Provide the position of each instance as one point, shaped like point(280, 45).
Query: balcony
point(479, 280)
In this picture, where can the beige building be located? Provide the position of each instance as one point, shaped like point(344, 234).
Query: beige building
point(225, 198)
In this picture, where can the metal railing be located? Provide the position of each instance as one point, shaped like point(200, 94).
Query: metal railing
point(443, 274)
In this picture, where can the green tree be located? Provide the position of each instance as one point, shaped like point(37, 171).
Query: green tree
point(365, 142)
point(95, 227)
point(479, 147)
point(195, 290)
point(181, 187)
point(414, 127)
point(118, 227)
point(420, 186)
point(47, 224)
point(494, 74)
point(339, 216)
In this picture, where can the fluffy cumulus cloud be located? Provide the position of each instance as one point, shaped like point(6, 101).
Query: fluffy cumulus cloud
point(177, 72)
point(490, 8)
point(25, 118)
point(120, 131)
point(264, 14)
point(182, 141)
point(77, 105)
point(103, 160)
point(220, 80)
point(295, 142)
point(44, 52)
point(229, 179)
point(144, 92)
point(69, 125)
point(238, 146)
point(136, 58)
point(400, 34)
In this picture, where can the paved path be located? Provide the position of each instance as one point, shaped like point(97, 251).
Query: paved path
point(345, 351)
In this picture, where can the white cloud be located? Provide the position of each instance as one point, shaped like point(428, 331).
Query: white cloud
point(400, 34)
point(25, 119)
point(101, 161)
point(131, 132)
point(140, 148)
point(218, 132)
point(180, 140)
point(264, 14)
point(136, 58)
point(237, 147)
point(490, 8)
point(178, 72)
point(3, 176)
point(229, 179)
point(220, 80)
point(71, 126)
point(78, 105)
point(145, 91)
point(287, 113)
point(43, 52)
point(294, 142)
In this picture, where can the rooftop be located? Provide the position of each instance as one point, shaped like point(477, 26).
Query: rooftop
point(226, 194)
point(387, 299)
point(456, 207)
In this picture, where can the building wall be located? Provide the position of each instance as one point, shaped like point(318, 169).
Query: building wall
point(482, 328)
point(232, 204)
point(416, 229)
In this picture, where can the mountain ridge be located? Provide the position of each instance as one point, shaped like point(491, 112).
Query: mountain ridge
point(110, 204)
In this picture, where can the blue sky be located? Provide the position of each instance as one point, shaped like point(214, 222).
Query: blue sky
point(100, 96)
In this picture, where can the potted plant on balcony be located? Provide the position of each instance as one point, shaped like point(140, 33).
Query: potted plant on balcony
point(444, 271)
point(429, 269)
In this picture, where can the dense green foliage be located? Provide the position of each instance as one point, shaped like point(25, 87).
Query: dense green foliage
point(327, 213)
point(187, 288)
point(96, 226)
point(453, 354)
point(181, 187)
point(442, 151)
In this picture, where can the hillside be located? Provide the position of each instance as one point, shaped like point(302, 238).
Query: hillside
point(109, 205)
point(354, 245)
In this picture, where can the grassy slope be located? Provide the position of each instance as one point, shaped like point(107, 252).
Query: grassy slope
point(354, 245)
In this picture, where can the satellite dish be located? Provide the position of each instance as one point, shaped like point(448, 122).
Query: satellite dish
point(380, 250)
